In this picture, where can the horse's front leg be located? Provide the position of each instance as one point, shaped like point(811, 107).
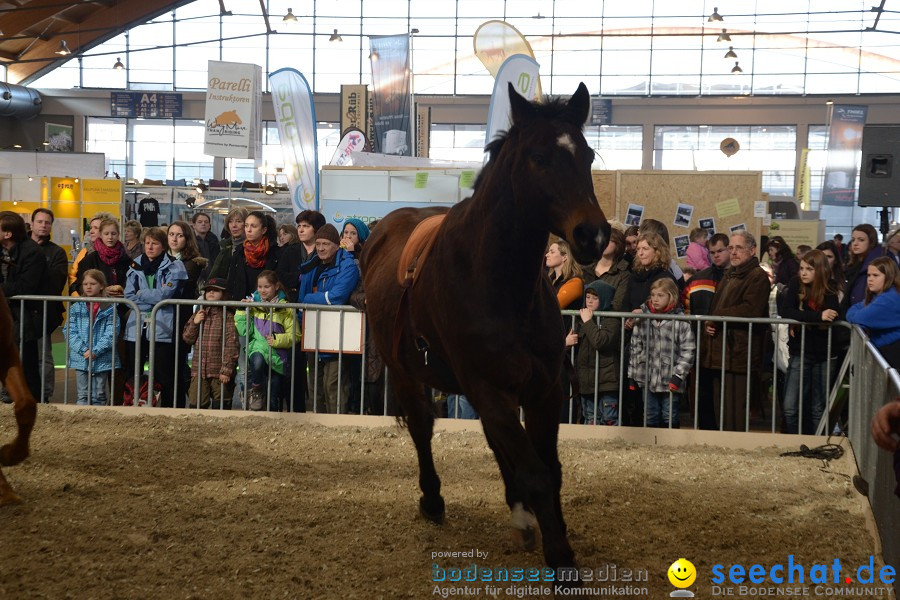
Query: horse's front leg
point(536, 483)
point(420, 421)
point(523, 520)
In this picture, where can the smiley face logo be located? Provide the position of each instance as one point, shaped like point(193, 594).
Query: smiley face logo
point(682, 573)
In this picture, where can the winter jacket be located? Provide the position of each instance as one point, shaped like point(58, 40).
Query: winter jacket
point(697, 256)
point(280, 325)
point(662, 352)
point(699, 291)
point(786, 270)
point(293, 257)
point(881, 317)
point(855, 284)
point(639, 287)
point(617, 277)
point(166, 284)
point(568, 292)
point(209, 246)
point(27, 275)
point(221, 266)
point(815, 346)
point(210, 360)
point(333, 284)
point(193, 267)
point(242, 278)
point(58, 275)
point(598, 348)
point(92, 261)
point(100, 339)
point(743, 292)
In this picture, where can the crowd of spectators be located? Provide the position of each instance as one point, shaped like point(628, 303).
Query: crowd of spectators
point(630, 371)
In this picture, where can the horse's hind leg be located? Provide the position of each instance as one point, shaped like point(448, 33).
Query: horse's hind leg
point(420, 421)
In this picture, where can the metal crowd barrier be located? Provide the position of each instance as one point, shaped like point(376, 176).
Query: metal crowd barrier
point(872, 384)
point(834, 373)
point(45, 338)
point(243, 366)
point(770, 325)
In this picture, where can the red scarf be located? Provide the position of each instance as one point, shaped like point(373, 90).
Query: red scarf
point(110, 256)
point(255, 254)
point(664, 311)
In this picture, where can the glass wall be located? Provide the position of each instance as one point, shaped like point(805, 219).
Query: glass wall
point(641, 47)
point(770, 149)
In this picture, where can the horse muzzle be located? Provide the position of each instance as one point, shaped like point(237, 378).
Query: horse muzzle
point(589, 241)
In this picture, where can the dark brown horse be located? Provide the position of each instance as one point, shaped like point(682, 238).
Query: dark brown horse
point(482, 318)
point(13, 379)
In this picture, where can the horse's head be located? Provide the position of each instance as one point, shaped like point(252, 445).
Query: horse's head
point(553, 168)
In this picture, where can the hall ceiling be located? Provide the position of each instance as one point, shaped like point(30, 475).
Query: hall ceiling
point(31, 30)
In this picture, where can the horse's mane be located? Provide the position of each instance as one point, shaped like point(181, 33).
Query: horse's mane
point(548, 110)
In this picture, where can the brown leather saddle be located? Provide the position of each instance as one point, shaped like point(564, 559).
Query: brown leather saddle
point(417, 248)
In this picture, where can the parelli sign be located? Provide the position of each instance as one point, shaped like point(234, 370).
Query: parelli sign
point(232, 110)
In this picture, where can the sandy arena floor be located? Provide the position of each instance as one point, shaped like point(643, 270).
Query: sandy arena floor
point(199, 507)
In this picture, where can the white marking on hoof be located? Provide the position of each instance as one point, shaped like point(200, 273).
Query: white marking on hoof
point(523, 519)
point(565, 141)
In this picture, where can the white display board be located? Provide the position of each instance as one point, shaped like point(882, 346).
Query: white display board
point(324, 327)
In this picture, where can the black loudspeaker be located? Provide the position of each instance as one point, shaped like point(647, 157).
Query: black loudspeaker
point(879, 174)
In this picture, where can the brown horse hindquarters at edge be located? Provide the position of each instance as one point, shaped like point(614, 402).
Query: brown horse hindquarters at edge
point(482, 319)
point(25, 407)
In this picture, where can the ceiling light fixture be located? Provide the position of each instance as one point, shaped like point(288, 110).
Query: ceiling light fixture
point(373, 56)
point(731, 53)
point(736, 69)
point(76, 180)
point(335, 37)
point(270, 190)
point(119, 66)
point(715, 16)
point(289, 17)
point(724, 37)
point(63, 48)
point(201, 187)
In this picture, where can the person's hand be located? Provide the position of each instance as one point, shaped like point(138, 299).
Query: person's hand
point(710, 328)
point(347, 245)
point(886, 425)
point(629, 324)
point(586, 314)
point(199, 316)
point(246, 299)
point(571, 339)
point(224, 378)
point(114, 291)
point(89, 355)
point(829, 314)
point(270, 339)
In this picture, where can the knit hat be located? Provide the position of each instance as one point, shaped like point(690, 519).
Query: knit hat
point(362, 230)
point(330, 233)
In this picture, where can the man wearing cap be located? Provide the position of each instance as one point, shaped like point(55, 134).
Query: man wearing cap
point(328, 278)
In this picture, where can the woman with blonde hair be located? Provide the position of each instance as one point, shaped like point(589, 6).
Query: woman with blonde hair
point(565, 275)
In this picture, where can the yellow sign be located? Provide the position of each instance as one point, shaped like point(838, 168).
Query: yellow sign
point(466, 178)
point(421, 180)
point(102, 191)
point(796, 232)
point(727, 208)
point(803, 180)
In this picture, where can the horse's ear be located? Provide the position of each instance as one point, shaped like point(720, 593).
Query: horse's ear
point(520, 108)
point(579, 107)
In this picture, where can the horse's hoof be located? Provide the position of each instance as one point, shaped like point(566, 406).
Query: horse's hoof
point(527, 537)
point(11, 454)
point(432, 510)
point(525, 525)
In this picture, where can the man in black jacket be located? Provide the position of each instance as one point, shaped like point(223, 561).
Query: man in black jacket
point(57, 272)
point(23, 270)
point(207, 241)
point(697, 299)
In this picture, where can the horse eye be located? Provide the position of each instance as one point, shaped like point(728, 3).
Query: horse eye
point(540, 160)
